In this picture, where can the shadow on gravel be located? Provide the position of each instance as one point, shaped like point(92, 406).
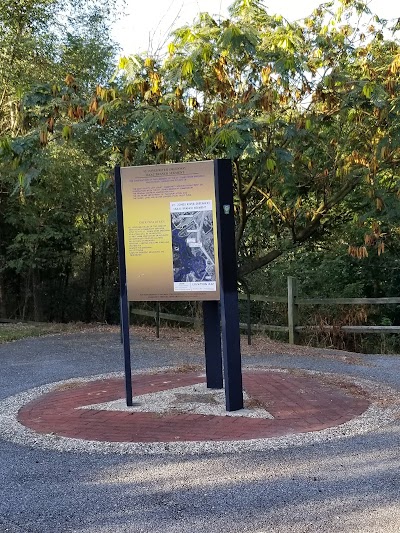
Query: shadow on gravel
point(328, 487)
point(350, 485)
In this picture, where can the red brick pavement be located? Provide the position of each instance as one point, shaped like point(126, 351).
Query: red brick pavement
point(298, 404)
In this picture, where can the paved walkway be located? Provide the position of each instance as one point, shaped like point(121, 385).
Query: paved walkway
point(298, 404)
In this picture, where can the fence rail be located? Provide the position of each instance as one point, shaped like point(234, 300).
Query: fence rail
point(347, 301)
point(261, 298)
point(353, 329)
point(165, 316)
point(197, 321)
point(293, 329)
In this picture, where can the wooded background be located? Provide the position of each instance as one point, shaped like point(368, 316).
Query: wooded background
point(308, 112)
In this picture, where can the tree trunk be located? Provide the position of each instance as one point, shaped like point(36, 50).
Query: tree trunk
point(3, 309)
point(91, 282)
point(37, 297)
point(106, 266)
point(65, 283)
point(27, 293)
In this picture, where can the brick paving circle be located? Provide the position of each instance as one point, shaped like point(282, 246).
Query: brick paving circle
point(298, 404)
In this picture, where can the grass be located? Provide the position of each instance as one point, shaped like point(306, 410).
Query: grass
point(16, 331)
point(186, 368)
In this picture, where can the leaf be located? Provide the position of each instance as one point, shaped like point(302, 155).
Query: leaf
point(123, 63)
point(284, 155)
point(270, 164)
point(352, 114)
point(101, 178)
point(187, 67)
point(367, 89)
point(67, 132)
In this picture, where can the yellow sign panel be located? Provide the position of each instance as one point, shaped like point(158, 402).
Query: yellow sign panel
point(170, 231)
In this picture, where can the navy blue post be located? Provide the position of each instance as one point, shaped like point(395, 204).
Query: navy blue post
point(228, 283)
point(120, 321)
point(124, 306)
point(212, 344)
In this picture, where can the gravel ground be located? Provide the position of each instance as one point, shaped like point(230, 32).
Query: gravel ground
point(343, 485)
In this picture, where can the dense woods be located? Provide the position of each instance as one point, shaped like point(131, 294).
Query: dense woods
point(308, 112)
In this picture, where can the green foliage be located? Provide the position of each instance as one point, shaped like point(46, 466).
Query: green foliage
point(51, 209)
point(307, 111)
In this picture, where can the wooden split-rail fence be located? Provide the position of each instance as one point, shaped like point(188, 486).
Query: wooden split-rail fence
point(293, 302)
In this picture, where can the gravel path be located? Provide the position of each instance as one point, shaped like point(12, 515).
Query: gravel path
point(344, 485)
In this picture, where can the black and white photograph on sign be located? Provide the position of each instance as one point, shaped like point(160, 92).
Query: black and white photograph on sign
point(193, 246)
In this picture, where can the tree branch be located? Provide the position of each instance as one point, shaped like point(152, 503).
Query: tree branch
point(242, 206)
point(258, 262)
point(253, 180)
point(271, 202)
point(259, 204)
point(310, 229)
point(304, 234)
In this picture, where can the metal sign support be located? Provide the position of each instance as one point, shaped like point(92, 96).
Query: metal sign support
point(124, 306)
point(228, 284)
point(212, 344)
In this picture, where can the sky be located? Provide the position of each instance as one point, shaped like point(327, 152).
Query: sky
point(146, 24)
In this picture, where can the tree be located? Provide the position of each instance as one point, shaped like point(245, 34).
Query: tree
point(43, 197)
point(308, 112)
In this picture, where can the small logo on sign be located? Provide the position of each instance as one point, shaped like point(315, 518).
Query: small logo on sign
point(227, 209)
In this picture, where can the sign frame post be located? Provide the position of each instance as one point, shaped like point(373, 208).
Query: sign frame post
point(228, 285)
point(124, 305)
point(212, 344)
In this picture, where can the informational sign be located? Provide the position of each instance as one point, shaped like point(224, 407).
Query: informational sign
point(170, 232)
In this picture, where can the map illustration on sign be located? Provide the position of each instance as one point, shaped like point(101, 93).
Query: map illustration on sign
point(193, 246)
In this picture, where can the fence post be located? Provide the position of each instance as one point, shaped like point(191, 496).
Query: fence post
point(248, 310)
point(293, 310)
point(158, 320)
point(248, 319)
